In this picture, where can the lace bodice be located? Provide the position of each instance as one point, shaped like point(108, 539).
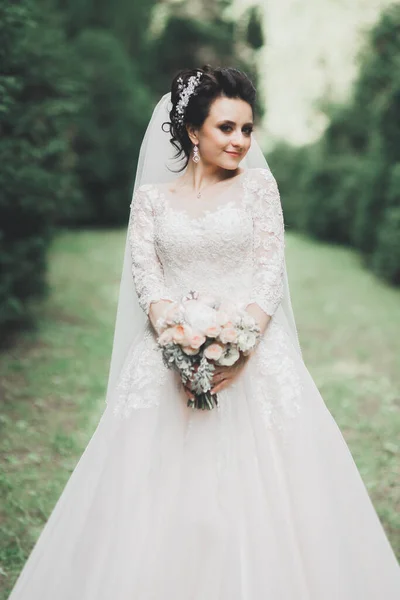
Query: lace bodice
point(231, 247)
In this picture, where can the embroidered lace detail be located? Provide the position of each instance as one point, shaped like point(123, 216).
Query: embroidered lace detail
point(146, 267)
point(278, 381)
point(268, 243)
point(233, 249)
point(142, 377)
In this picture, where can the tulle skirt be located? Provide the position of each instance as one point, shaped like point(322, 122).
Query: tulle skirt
point(258, 499)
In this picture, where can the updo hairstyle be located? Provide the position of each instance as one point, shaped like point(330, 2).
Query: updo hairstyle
point(228, 82)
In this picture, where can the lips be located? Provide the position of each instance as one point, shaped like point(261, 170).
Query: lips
point(232, 153)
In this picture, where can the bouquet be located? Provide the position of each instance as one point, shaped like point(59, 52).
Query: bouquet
point(198, 332)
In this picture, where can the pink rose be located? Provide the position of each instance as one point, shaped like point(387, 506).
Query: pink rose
point(190, 351)
point(228, 334)
point(212, 331)
point(181, 334)
point(196, 339)
point(165, 338)
point(213, 351)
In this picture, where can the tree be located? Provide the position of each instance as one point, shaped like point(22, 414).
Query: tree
point(110, 127)
point(38, 102)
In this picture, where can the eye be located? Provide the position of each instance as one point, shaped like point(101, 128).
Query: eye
point(248, 130)
point(226, 128)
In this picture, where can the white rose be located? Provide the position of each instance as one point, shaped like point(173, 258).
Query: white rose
point(230, 357)
point(199, 316)
point(229, 307)
point(246, 341)
point(222, 317)
point(241, 339)
point(248, 320)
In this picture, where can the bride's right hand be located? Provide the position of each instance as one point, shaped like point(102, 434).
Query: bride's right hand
point(157, 310)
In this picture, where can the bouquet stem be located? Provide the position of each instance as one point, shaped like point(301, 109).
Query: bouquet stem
point(204, 401)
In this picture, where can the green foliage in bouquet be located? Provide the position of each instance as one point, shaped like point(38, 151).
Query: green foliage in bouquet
point(194, 369)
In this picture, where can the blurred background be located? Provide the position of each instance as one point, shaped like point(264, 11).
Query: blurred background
point(78, 83)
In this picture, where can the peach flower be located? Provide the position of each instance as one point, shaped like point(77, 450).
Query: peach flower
point(190, 351)
point(228, 334)
point(212, 331)
point(213, 351)
point(196, 339)
point(181, 334)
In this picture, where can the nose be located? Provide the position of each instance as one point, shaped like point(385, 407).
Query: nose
point(237, 139)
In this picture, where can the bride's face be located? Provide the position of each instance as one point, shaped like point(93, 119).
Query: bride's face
point(225, 136)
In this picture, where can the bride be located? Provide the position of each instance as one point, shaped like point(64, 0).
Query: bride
point(258, 498)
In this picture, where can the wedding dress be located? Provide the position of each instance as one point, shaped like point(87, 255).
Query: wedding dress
point(257, 499)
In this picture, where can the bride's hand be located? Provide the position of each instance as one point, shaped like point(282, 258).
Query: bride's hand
point(188, 391)
point(224, 376)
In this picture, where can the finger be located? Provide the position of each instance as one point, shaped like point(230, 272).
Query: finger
point(220, 386)
point(188, 392)
point(217, 378)
point(221, 369)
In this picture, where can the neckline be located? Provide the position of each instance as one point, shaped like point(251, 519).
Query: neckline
point(241, 179)
point(235, 179)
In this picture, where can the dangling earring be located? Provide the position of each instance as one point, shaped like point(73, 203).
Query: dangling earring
point(196, 155)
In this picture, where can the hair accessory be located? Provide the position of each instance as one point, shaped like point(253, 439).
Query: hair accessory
point(184, 96)
point(196, 155)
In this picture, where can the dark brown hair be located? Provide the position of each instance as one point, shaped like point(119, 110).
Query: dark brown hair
point(214, 83)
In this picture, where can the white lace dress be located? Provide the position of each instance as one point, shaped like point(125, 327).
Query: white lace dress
point(258, 499)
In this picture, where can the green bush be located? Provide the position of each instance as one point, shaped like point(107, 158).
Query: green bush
point(387, 253)
point(111, 124)
point(345, 188)
point(289, 166)
point(37, 103)
point(386, 260)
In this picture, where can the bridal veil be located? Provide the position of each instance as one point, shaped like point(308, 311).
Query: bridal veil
point(157, 165)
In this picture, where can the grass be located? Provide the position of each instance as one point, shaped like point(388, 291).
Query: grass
point(53, 388)
point(349, 329)
point(53, 379)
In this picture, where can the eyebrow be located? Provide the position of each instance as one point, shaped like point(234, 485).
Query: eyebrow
point(228, 121)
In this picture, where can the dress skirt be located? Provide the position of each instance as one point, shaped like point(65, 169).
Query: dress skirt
point(258, 499)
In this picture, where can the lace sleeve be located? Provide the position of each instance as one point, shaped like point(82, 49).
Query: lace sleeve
point(268, 243)
point(147, 269)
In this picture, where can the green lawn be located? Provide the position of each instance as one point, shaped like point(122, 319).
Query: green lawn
point(53, 380)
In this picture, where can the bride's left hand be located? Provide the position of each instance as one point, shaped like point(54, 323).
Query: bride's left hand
point(224, 376)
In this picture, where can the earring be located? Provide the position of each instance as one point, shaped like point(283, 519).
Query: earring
point(196, 155)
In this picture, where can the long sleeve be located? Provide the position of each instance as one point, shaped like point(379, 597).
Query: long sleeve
point(269, 244)
point(147, 269)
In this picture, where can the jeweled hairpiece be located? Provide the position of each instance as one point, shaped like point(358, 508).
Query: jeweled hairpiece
point(184, 96)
